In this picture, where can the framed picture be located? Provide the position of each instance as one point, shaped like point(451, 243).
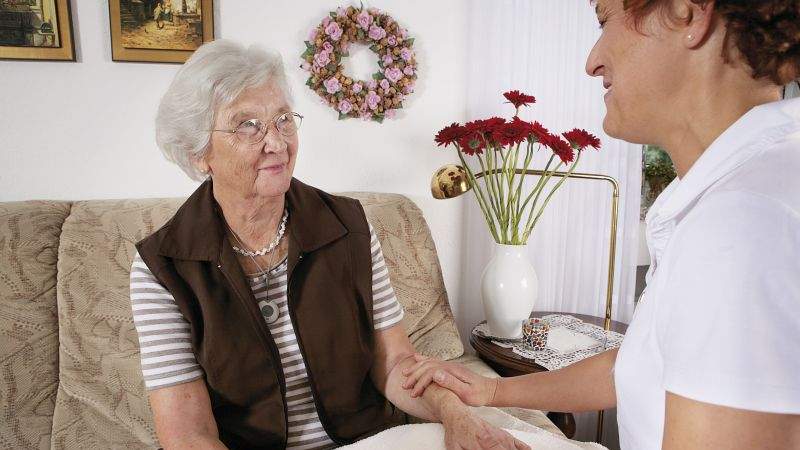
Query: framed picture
point(36, 29)
point(159, 30)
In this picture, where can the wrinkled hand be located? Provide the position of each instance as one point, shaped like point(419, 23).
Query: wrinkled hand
point(464, 431)
point(472, 389)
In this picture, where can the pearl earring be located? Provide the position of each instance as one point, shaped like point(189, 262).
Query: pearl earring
point(690, 37)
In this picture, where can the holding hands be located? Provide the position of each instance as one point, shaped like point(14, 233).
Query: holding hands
point(471, 388)
point(463, 430)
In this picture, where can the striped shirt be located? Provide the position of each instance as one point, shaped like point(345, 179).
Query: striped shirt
point(166, 352)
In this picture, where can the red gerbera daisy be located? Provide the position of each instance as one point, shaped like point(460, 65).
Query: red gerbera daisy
point(518, 99)
point(580, 139)
point(560, 148)
point(538, 132)
point(449, 134)
point(511, 133)
point(485, 126)
point(472, 142)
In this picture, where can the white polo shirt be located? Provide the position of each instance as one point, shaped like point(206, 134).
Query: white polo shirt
point(719, 321)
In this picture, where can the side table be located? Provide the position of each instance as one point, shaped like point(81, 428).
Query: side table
point(508, 364)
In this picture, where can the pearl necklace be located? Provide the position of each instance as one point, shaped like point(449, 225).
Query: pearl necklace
point(269, 248)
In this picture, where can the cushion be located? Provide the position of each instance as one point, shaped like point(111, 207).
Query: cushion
point(101, 400)
point(29, 233)
point(414, 271)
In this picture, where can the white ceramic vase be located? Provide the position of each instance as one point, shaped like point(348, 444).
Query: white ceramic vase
point(509, 289)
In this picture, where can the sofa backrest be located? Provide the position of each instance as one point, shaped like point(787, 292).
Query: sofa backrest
point(69, 351)
point(29, 234)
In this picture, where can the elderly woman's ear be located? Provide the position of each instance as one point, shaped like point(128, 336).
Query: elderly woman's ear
point(202, 166)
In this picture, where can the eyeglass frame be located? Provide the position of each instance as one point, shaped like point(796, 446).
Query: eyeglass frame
point(266, 125)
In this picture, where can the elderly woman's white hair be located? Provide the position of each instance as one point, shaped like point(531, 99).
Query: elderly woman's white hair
point(213, 77)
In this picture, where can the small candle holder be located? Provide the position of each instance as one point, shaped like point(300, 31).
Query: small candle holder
point(534, 334)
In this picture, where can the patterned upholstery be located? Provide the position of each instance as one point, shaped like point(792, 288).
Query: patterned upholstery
point(29, 234)
point(68, 348)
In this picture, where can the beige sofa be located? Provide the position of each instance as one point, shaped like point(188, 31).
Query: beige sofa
point(69, 355)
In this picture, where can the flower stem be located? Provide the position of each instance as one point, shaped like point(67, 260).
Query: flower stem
point(478, 195)
point(488, 183)
point(539, 184)
point(529, 227)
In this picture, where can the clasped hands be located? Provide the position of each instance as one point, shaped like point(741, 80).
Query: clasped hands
point(463, 430)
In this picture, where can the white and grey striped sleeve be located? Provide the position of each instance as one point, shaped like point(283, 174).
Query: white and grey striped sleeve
point(166, 350)
point(386, 310)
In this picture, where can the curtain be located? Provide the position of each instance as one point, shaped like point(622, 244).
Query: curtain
point(540, 47)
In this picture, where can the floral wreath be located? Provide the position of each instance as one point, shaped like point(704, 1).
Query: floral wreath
point(328, 43)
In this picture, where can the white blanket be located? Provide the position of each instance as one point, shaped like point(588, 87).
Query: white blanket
point(430, 436)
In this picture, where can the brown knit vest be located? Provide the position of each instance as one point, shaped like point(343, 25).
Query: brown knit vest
point(330, 304)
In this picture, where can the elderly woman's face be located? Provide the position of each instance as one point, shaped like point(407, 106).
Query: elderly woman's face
point(642, 70)
point(261, 168)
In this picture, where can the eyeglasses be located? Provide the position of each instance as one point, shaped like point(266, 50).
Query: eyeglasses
point(253, 130)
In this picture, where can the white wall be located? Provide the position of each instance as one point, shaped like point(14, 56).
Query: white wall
point(85, 130)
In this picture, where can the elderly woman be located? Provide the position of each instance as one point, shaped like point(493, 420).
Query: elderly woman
point(264, 309)
point(710, 359)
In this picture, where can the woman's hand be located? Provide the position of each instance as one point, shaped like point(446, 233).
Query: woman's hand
point(472, 389)
point(464, 431)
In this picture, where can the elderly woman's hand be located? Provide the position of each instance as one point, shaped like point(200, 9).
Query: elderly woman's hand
point(465, 431)
point(472, 389)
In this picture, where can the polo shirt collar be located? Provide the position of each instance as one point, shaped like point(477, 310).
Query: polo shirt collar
point(745, 139)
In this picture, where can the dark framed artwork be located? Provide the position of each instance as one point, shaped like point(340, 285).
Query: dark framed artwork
point(36, 29)
point(159, 30)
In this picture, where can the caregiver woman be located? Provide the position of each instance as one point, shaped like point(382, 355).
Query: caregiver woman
point(712, 356)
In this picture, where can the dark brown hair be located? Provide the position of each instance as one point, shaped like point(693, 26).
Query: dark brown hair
point(765, 32)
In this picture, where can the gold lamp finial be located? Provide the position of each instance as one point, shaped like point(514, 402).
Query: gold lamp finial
point(449, 181)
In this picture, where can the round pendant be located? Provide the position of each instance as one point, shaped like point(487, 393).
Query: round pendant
point(270, 312)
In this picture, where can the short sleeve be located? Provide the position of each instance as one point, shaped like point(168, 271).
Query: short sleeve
point(164, 339)
point(730, 327)
point(386, 310)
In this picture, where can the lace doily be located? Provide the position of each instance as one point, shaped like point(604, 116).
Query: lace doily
point(549, 358)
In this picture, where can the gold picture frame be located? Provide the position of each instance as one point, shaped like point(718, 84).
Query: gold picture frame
point(165, 31)
point(36, 30)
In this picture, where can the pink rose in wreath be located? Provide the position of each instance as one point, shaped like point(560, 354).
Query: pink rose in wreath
point(334, 30)
point(405, 53)
point(327, 46)
point(408, 71)
point(364, 20)
point(345, 106)
point(372, 85)
point(373, 99)
point(384, 84)
point(392, 40)
point(357, 87)
point(387, 59)
point(376, 33)
point(322, 59)
point(393, 74)
point(332, 85)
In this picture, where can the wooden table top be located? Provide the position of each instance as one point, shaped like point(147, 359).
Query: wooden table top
point(513, 364)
